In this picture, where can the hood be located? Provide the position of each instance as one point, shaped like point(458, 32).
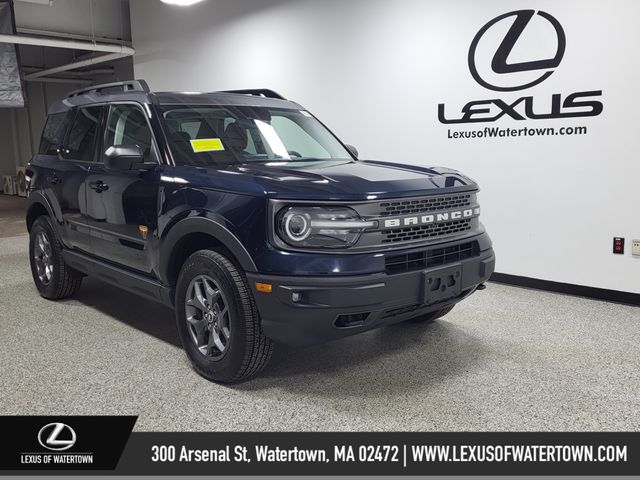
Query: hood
point(335, 179)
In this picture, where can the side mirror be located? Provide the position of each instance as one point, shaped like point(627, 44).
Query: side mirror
point(125, 157)
point(352, 150)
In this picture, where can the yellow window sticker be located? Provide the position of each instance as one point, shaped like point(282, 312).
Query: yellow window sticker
point(207, 145)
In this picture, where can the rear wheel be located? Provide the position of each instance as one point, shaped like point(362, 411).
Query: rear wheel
point(54, 279)
point(431, 316)
point(218, 321)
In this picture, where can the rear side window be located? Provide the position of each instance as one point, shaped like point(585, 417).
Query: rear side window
point(83, 134)
point(53, 133)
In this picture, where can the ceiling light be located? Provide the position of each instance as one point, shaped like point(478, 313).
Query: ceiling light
point(182, 3)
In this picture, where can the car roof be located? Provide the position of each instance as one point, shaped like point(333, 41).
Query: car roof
point(94, 95)
point(222, 98)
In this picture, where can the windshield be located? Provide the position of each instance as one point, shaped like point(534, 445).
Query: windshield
point(213, 135)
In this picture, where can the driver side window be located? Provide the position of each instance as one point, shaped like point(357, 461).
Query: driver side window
point(128, 126)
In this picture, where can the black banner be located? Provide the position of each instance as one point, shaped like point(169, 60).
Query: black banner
point(383, 453)
point(76, 444)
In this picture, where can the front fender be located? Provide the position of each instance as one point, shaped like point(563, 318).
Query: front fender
point(201, 224)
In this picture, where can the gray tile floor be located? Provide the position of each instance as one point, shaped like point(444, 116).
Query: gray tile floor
point(12, 213)
point(505, 359)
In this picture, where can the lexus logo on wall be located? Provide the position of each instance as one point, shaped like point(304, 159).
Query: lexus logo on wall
point(516, 51)
point(57, 437)
point(543, 68)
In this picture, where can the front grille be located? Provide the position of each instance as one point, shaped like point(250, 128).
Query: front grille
point(427, 204)
point(409, 234)
point(431, 258)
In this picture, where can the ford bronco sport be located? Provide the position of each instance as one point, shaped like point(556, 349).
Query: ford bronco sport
point(246, 215)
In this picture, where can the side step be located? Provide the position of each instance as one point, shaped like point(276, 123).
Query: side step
point(119, 277)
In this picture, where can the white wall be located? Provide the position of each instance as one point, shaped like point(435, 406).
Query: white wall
point(375, 71)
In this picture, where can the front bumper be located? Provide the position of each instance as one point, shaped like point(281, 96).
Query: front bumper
point(327, 308)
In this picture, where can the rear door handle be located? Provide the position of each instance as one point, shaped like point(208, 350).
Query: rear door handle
point(53, 179)
point(99, 186)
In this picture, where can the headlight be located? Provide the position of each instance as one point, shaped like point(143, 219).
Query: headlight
point(321, 227)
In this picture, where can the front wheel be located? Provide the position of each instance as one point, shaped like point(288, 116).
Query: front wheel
point(218, 321)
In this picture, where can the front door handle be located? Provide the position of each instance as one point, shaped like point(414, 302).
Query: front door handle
point(53, 179)
point(99, 186)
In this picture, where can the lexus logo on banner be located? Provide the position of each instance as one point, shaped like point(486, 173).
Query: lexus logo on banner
point(57, 437)
point(491, 65)
point(499, 63)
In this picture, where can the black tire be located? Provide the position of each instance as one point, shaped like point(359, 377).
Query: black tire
point(61, 281)
point(431, 316)
point(246, 349)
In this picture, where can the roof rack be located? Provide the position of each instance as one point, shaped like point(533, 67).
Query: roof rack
point(128, 86)
point(259, 92)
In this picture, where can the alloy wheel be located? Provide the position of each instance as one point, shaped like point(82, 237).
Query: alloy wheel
point(43, 256)
point(208, 316)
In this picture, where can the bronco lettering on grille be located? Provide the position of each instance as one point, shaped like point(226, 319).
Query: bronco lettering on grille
point(417, 220)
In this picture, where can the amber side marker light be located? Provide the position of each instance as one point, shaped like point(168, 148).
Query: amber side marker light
point(264, 287)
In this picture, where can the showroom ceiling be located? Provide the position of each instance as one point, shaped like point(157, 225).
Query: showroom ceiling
point(61, 41)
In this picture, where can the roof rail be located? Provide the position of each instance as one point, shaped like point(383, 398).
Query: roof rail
point(259, 92)
point(128, 86)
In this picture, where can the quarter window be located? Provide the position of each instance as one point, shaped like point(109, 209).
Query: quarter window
point(53, 133)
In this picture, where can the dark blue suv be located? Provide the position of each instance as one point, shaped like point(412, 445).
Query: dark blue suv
point(251, 219)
